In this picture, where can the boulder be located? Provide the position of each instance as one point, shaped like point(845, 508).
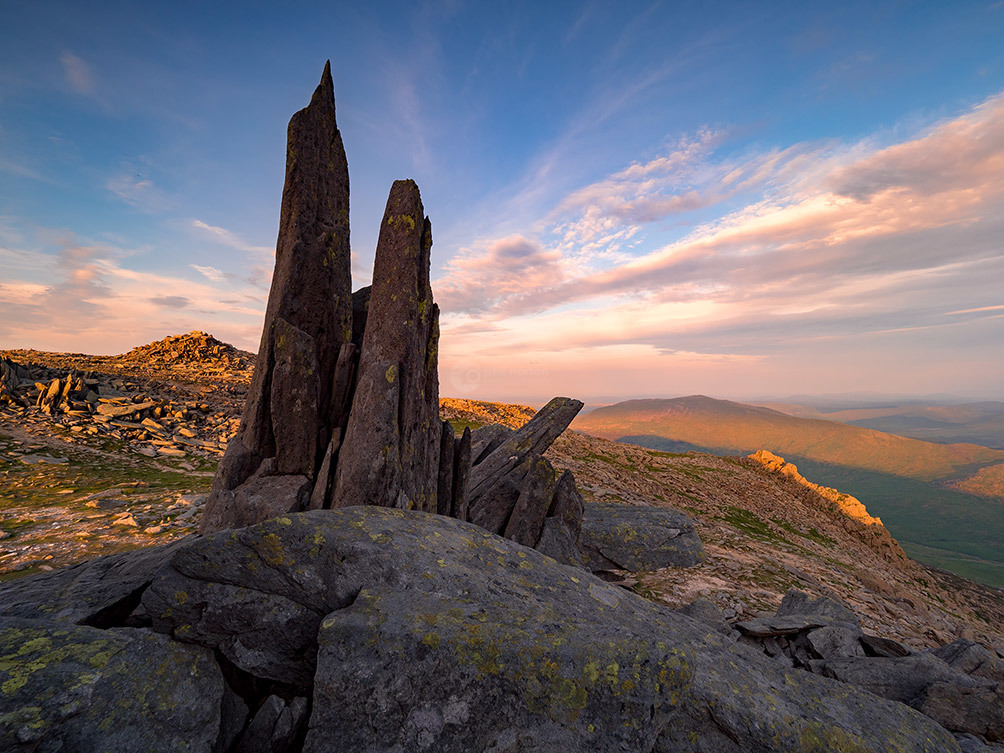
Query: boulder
point(99, 592)
point(637, 538)
point(420, 632)
point(73, 688)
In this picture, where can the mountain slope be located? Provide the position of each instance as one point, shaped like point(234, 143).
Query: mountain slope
point(766, 529)
point(722, 424)
point(977, 423)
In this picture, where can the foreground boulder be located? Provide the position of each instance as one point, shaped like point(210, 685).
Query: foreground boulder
point(411, 631)
point(69, 688)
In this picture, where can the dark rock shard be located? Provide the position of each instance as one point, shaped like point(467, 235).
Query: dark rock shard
point(444, 493)
point(487, 438)
point(390, 452)
point(461, 475)
point(233, 719)
point(637, 538)
point(275, 726)
point(74, 688)
point(534, 500)
point(311, 291)
point(876, 645)
point(293, 403)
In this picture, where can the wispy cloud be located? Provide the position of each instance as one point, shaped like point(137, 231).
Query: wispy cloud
point(135, 187)
point(228, 238)
point(81, 292)
point(78, 74)
point(842, 241)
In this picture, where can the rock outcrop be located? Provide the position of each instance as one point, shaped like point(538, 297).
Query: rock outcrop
point(369, 629)
point(343, 408)
point(390, 453)
point(635, 538)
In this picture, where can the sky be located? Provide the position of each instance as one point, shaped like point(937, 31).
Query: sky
point(628, 199)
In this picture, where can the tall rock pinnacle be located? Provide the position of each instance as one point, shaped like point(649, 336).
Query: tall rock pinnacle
point(343, 408)
point(287, 415)
point(390, 455)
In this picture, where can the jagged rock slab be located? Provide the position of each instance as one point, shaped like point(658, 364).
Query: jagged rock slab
point(972, 658)
point(97, 592)
point(960, 702)
point(436, 635)
point(390, 452)
point(637, 538)
point(311, 292)
point(69, 688)
point(800, 612)
point(533, 438)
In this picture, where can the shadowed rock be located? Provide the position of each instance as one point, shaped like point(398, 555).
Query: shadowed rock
point(390, 452)
point(311, 293)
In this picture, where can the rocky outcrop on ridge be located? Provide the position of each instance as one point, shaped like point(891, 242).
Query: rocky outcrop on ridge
point(849, 506)
point(375, 629)
point(343, 408)
point(195, 347)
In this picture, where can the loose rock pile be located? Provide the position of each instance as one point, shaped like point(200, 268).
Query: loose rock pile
point(960, 685)
point(196, 347)
point(343, 407)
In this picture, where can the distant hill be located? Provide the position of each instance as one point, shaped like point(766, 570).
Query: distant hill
point(943, 502)
point(978, 423)
point(722, 424)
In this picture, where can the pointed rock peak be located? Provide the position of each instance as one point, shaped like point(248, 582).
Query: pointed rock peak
point(324, 94)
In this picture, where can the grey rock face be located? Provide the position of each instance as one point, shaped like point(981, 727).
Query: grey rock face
point(390, 454)
point(972, 658)
point(432, 634)
point(636, 538)
point(69, 688)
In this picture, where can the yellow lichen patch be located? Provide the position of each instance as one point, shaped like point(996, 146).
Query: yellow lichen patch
point(407, 219)
point(271, 550)
point(391, 374)
point(181, 597)
point(284, 521)
point(36, 652)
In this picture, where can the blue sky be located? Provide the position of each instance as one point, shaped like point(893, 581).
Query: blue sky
point(627, 198)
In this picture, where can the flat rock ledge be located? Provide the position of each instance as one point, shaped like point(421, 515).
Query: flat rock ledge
point(637, 538)
point(377, 629)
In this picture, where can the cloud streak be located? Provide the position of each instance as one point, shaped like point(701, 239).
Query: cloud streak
point(838, 241)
